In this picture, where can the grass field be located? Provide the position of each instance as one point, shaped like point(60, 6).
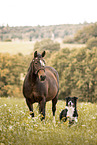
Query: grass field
point(16, 47)
point(18, 128)
point(27, 47)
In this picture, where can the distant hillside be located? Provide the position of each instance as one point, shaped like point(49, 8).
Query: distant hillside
point(30, 33)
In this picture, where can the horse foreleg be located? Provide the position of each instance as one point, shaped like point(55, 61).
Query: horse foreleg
point(42, 108)
point(54, 102)
point(30, 107)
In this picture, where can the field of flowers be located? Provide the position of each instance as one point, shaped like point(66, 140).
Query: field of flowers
point(18, 128)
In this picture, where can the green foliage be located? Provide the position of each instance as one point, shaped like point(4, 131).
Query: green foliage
point(92, 42)
point(10, 71)
point(18, 128)
point(77, 72)
point(47, 44)
point(83, 35)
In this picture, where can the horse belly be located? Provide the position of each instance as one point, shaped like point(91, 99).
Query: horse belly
point(52, 92)
point(39, 92)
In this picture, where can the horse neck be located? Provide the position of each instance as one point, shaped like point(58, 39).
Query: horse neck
point(32, 76)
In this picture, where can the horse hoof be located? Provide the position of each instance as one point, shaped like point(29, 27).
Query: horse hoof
point(32, 114)
point(42, 118)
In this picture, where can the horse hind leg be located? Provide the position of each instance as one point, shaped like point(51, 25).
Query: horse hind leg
point(54, 102)
point(30, 107)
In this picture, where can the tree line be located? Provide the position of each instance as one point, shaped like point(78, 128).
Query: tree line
point(84, 35)
point(30, 33)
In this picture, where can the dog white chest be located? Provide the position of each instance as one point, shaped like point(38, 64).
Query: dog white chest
point(70, 111)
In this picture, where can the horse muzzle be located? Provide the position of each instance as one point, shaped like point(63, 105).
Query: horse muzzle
point(42, 78)
point(41, 75)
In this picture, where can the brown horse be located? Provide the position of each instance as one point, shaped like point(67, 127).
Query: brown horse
point(41, 84)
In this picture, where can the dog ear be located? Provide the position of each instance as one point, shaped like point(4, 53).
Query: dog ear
point(67, 98)
point(66, 101)
point(75, 98)
point(35, 54)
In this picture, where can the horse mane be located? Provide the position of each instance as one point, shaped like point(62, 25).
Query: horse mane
point(30, 70)
point(30, 67)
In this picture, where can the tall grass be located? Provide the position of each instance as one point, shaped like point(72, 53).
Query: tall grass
point(18, 128)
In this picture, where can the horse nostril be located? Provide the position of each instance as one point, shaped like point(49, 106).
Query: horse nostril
point(42, 78)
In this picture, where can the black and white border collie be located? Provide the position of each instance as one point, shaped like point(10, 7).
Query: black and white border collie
point(70, 111)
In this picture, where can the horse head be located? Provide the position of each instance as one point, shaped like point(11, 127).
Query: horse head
point(39, 65)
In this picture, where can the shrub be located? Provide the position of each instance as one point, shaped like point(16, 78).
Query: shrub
point(92, 42)
point(68, 40)
point(47, 44)
point(8, 40)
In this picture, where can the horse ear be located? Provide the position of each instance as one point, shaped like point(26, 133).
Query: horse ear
point(35, 54)
point(43, 54)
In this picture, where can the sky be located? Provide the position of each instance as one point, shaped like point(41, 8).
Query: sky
point(47, 12)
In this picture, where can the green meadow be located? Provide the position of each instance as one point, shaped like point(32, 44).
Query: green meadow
point(18, 128)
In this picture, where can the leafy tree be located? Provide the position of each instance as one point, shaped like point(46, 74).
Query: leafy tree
point(87, 76)
point(10, 71)
point(83, 35)
point(77, 70)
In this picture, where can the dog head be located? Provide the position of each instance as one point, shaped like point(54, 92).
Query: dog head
point(71, 101)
